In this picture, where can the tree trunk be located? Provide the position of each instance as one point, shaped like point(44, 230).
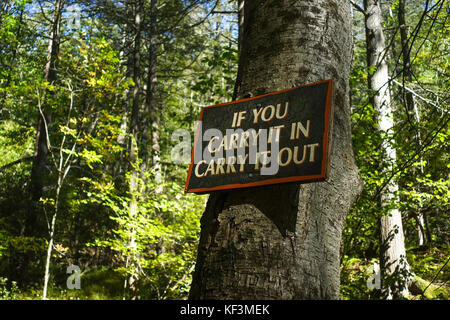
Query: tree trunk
point(63, 169)
point(134, 147)
point(283, 241)
point(241, 4)
point(34, 225)
point(241, 27)
point(52, 234)
point(393, 253)
point(43, 123)
point(151, 105)
point(120, 165)
point(405, 55)
point(410, 104)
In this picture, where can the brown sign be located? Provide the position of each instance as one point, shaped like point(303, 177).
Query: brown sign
point(278, 137)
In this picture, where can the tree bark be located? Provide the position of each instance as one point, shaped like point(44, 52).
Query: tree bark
point(393, 255)
point(283, 241)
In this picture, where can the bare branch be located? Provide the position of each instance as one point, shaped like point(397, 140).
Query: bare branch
point(357, 7)
point(224, 12)
point(419, 96)
point(434, 278)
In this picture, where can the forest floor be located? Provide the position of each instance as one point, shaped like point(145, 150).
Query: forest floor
point(429, 265)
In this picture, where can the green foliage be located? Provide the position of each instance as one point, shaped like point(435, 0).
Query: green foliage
point(218, 79)
point(164, 233)
point(8, 291)
point(99, 229)
point(354, 275)
point(421, 142)
point(428, 263)
point(16, 140)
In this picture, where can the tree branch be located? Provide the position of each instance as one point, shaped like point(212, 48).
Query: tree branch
point(357, 7)
point(224, 12)
point(418, 96)
point(435, 276)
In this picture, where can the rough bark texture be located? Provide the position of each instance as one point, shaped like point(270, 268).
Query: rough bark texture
point(392, 239)
point(283, 241)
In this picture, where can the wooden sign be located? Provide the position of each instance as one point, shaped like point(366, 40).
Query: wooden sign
point(274, 138)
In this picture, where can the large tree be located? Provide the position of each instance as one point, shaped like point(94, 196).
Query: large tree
point(283, 241)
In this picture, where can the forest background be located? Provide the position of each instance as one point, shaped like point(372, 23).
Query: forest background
point(93, 95)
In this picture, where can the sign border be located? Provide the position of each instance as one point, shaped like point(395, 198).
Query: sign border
point(326, 145)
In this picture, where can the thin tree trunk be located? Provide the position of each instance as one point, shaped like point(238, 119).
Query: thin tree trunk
point(393, 255)
point(44, 118)
point(411, 106)
point(283, 241)
point(34, 225)
point(405, 55)
point(241, 4)
point(134, 147)
point(50, 243)
point(120, 165)
point(63, 169)
point(151, 106)
point(241, 26)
